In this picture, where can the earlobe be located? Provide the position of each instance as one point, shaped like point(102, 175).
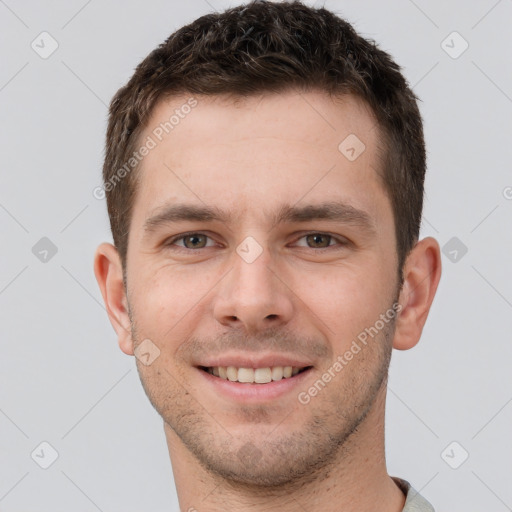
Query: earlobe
point(422, 272)
point(109, 275)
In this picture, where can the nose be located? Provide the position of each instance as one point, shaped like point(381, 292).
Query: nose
point(253, 296)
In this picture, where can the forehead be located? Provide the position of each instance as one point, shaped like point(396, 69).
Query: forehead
point(253, 155)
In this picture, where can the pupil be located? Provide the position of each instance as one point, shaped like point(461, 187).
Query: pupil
point(317, 240)
point(195, 240)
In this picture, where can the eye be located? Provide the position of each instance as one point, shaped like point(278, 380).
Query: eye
point(320, 241)
point(191, 241)
point(195, 240)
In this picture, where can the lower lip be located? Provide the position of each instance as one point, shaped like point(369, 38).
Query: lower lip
point(244, 392)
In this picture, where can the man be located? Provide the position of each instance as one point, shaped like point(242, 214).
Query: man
point(264, 179)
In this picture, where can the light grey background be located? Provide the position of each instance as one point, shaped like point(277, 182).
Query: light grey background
point(64, 379)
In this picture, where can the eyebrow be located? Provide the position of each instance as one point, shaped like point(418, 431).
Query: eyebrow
point(333, 211)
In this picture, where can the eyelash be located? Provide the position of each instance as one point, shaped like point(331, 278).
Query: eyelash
point(341, 241)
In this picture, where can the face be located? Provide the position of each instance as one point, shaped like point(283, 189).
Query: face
point(257, 243)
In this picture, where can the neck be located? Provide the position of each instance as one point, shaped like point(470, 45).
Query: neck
point(356, 481)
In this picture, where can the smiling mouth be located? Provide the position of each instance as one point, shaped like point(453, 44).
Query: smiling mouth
point(254, 375)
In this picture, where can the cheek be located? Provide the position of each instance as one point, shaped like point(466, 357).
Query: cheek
point(343, 300)
point(166, 298)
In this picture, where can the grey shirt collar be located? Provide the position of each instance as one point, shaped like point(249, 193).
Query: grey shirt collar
point(414, 501)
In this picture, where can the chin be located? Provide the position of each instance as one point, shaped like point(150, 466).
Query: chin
point(263, 462)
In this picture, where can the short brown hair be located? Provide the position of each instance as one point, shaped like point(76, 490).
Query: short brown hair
point(272, 47)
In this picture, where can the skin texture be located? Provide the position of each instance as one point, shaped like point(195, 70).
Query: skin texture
point(250, 157)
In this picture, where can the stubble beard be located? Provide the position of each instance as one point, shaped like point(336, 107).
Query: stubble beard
point(266, 458)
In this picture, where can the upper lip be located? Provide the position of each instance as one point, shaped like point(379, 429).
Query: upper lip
point(254, 361)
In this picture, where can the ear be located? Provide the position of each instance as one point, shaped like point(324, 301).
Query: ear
point(422, 272)
point(109, 274)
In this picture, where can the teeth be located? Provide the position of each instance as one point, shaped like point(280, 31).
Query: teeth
point(277, 373)
point(254, 375)
point(245, 375)
point(232, 373)
point(262, 375)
